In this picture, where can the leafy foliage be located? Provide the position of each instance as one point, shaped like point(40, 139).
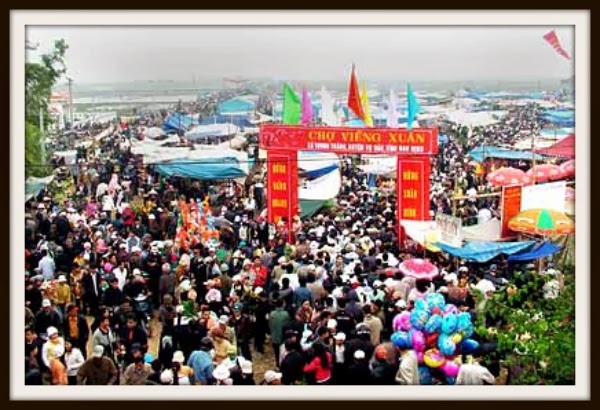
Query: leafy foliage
point(39, 80)
point(535, 336)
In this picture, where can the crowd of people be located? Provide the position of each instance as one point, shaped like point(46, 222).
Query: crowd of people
point(105, 269)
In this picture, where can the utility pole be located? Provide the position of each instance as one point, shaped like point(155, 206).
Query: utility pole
point(70, 101)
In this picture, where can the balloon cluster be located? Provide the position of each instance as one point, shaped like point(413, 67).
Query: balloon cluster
point(437, 332)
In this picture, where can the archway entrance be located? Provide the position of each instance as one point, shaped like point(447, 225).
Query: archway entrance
point(412, 149)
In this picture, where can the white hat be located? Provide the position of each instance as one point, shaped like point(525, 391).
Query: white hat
point(136, 272)
point(463, 269)
point(51, 331)
point(151, 216)
point(221, 373)
point(451, 277)
point(377, 283)
point(271, 376)
point(401, 304)
point(224, 319)
point(237, 254)
point(359, 354)
point(340, 336)
point(136, 249)
point(186, 285)
point(258, 290)
point(62, 278)
point(208, 259)
point(331, 324)
point(282, 260)
point(178, 357)
point(166, 376)
point(46, 303)
point(98, 351)
point(123, 246)
point(246, 367)
point(41, 206)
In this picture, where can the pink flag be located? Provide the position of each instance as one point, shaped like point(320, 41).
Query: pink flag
point(553, 40)
point(307, 109)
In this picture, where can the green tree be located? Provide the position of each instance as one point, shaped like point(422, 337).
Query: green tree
point(535, 336)
point(40, 77)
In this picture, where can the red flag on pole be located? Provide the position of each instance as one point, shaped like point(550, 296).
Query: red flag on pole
point(552, 39)
point(354, 100)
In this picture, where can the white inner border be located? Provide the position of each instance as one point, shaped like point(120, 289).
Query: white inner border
point(581, 21)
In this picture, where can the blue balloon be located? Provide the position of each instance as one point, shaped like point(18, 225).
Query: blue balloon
point(463, 320)
point(469, 346)
point(425, 375)
point(434, 324)
point(468, 332)
point(420, 304)
point(148, 358)
point(451, 380)
point(449, 323)
point(435, 300)
point(418, 318)
point(401, 340)
point(446, 345)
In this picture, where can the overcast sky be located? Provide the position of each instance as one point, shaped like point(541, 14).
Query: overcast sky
point(108, 54)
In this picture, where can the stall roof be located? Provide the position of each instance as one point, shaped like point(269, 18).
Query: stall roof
point(484, 251)
point(564, 148)
point(544, 249)
point(482, 152)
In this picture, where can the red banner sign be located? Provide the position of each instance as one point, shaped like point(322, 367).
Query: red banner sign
point(413, 189)
point(348, 140)
point(511, 206)
point(282, 186)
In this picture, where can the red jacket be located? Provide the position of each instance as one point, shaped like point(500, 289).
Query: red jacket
point(261, 276)
point(321, 373)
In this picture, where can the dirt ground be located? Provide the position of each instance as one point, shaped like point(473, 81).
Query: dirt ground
point(260, 363)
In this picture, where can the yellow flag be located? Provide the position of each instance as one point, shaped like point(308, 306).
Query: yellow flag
point(365, 103)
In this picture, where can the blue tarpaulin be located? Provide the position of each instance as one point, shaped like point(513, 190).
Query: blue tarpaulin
point(236, 106)
point(484, 251)
point(544, 249)
point(178, 122)
point(213, 168)
point(316, 173)
point(480, 153)
point(240, 121)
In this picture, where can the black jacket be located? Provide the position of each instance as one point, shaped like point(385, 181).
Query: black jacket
point(292, 367)
point(43, 320)
point(84, 331)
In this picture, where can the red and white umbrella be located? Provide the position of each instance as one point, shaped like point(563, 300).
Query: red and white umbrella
point(568, 168)
point(545, 172)
point(419, 269)
point(508, 176)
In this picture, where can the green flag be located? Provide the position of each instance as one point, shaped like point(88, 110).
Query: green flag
point(291, 106)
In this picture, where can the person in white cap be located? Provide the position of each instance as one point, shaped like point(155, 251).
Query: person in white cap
point(247, 377)
point(54, 348)
point(221, 375)
point(47, 265)
point(272, 377)
point(98, 370)
point(339, 358)
point(63, 294)
point(46, 318)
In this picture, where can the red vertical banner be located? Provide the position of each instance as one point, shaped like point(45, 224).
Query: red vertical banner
point(282, 187)
point(511, 206)
point(413, 189)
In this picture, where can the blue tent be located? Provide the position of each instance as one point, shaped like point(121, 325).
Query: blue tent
point(484, 251)
point(537, 252)
point(236, 106)
point(178, 122)
point(240, 121)
point(480, 153)
point(316, 173)
point(213, 168)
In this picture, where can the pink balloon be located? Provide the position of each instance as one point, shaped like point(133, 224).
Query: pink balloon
point(449, 308)
point(418, 340)
point(420, 356)
point(402, 322)
point(450, 368)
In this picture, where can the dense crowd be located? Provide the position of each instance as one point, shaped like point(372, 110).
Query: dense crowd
point(104, 264)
